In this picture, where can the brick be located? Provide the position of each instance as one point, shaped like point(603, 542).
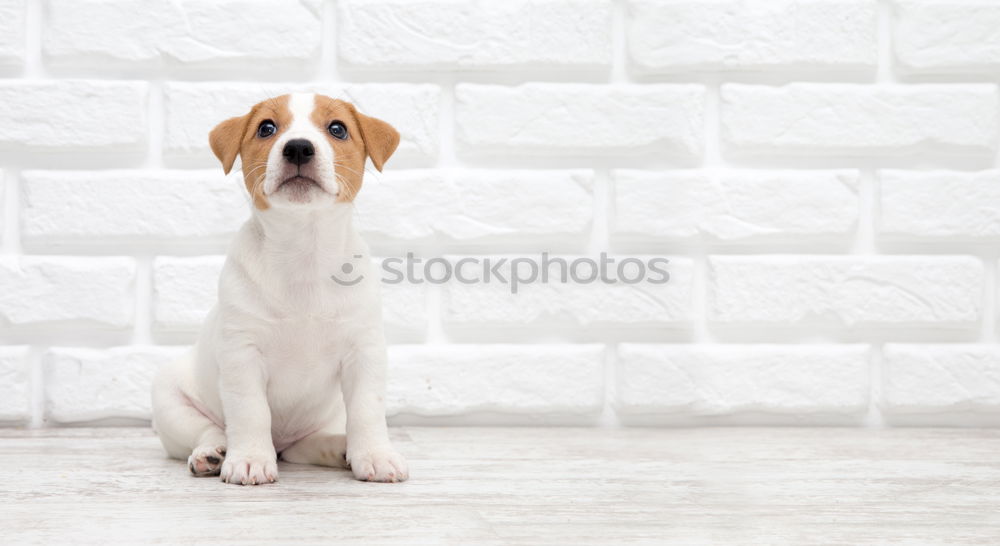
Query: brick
point(186, 288)
point(571, 303)
point(15, 376)
point(716, 380)
point(847, 291)
point(414, 205)
point(735, 205)
point(859, 119)
point(941, 378)
point(107, 116)
point(93, 206)
point(580, 119)
point(404, 309)
point(946, 36)
point(12, 32)
point(183, 32)
point(538, 382)
point(83, 384)
point(449, 34)
point(939, 205)
point(53, 289)
point(411, 108)
point(666, 36)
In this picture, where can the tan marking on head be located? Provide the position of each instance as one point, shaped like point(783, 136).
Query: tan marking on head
point(238, 136)
point(366, 136)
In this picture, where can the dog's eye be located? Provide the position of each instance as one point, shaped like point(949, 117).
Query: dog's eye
point(338, 130)
point(266, 128)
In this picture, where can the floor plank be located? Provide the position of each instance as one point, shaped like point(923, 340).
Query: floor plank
point(524, 486)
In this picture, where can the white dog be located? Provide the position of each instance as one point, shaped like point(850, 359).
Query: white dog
point(291, 361)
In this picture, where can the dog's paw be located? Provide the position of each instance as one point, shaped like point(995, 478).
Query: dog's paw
point(379, 465)
point(206, 460)
point(247, 469)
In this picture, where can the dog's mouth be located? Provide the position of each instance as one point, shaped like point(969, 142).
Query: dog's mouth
point(298, 187)
point(297, 181)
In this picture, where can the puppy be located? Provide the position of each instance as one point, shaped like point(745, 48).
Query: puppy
point(291, 361)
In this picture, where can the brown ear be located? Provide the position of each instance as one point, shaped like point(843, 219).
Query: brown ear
point(380, 138)
point(225, 140)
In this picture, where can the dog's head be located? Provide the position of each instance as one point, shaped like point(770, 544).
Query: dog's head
point(303, 150)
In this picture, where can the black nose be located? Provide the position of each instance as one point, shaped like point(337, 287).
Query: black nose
point(299, 151)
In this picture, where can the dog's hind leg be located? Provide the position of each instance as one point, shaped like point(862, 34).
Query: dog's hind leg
point(184, 431)
point(326, 447)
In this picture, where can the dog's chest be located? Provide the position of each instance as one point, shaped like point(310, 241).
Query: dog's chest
point(310, 325)
point(303, 359)
point(307, 339)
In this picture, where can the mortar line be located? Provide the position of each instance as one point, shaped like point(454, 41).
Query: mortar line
point(866, 241)
point(991, 290)
point(143, 309)
point(619, 44)
point(328, 69)
point(712, 160)
point(600, 241)
point(156, 115)
point(876, 369)
point(988, 330)
point(865, 245)
point(36, 383)
point(602, 212)
point(865, 236)
point(447, 146)
point(885, 73)
point(712, 152)
point(609, 417)
point(34, 67)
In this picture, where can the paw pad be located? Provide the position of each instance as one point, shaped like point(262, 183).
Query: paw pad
point(206, 461)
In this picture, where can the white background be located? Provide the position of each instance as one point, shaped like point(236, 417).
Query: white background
point(819, 172)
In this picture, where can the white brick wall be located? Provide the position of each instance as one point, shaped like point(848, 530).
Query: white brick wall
point(185, 33)
point(12, 13)
point(934, 36)
point(458, 34)
point(847, 292)
point(806, 118)
point(61, 291)
point(573, 119)
point(114, 206)
point(936, 378)
point(938, 205)
point(679, 36)
point(529, 383)
point(823, 176)
point(100, 117)
point(674, 381)
point(85, 384)
point(15, 376)
point(419, 205)
point(727, 206)
point(580, 306)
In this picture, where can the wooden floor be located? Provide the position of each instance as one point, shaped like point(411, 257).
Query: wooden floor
point(524, 486)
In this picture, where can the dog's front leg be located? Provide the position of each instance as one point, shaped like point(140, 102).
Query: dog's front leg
point(369, 451)
point(251, 459)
